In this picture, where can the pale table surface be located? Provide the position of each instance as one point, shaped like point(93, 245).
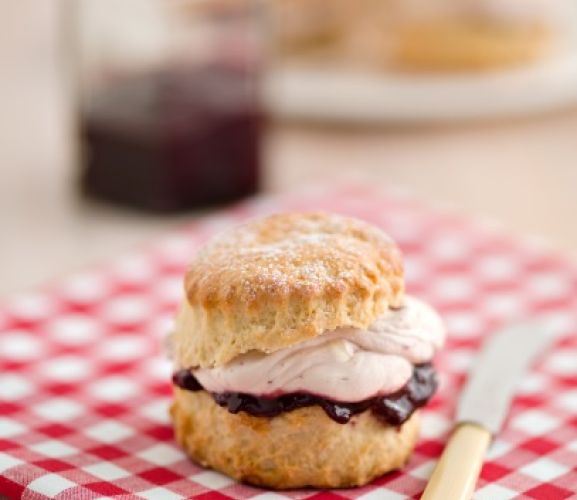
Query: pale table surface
point(522, 173)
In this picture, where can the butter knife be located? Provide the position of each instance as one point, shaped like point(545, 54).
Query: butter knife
point(483, 406)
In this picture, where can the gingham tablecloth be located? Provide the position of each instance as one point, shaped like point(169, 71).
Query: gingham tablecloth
point(84, 387)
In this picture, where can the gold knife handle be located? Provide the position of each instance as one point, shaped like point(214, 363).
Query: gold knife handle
point(456, 473)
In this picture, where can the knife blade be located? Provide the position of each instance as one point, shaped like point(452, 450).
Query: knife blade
point(487, 395)
point(484, 405)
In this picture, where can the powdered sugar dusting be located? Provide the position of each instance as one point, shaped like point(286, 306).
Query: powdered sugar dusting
point(283, 279)
point(308, 252)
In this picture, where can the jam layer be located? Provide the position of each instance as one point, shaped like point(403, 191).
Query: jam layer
point(393, 409)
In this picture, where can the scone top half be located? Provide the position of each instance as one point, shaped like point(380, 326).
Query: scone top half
point(281, 280)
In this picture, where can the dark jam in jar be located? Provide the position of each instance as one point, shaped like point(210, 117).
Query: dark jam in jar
point(393, 409)
point(172, 138)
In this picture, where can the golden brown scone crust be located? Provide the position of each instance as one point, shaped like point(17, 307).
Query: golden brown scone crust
point(283, 279)
point(300, 448)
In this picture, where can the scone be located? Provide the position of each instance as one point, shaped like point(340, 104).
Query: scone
point(337, 34)
point(299, 27)
point(475, 34)
point(299, 360)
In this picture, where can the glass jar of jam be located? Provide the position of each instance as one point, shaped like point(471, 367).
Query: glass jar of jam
point(169, 102)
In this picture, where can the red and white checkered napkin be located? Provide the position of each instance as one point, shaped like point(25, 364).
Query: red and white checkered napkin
point(84, 388)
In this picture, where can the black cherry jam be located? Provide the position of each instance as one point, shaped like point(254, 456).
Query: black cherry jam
point(393, 409)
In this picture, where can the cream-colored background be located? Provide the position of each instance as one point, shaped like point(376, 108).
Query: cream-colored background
point(522, 172)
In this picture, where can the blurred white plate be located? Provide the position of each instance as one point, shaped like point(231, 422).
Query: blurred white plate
point(334, 95)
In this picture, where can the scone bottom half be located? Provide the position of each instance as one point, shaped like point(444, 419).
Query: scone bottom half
point(268, 287)
point(297, 449)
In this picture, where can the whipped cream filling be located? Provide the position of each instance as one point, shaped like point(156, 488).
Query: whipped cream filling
point(347, 364)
